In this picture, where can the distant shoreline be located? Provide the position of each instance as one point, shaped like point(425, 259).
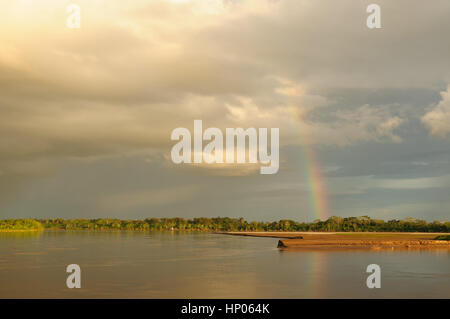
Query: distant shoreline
point(227, 224)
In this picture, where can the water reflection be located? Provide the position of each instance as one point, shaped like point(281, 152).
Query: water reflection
point(20, 235)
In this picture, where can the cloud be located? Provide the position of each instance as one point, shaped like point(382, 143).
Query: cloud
point(365, 123)
point(387, 127)
point(438, 119)
point(413, 183)
point(147, 198)
point(137, 70)
point(133, 72)
point(365, 184)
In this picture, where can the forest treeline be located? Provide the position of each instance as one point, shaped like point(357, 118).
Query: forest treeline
point(332, 224)
point(20, 225)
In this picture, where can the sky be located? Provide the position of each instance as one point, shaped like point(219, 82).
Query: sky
point(86, 114)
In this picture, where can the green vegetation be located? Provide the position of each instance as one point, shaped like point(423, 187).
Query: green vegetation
point(9, 225)
point(443, 237)
point(332, 224)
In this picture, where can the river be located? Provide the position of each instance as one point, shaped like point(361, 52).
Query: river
point(203, 265)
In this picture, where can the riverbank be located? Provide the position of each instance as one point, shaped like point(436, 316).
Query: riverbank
point(285, 235)
point(364, 240)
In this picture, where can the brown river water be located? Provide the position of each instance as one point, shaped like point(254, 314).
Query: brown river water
point(203, 265)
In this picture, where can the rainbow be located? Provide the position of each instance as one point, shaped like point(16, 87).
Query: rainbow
point(317, 190)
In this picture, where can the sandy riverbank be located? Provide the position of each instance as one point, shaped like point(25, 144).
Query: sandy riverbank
point(365, 240)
